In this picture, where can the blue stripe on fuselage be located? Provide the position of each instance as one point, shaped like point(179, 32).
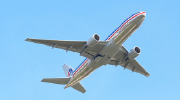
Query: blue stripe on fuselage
point(121, 25)
point(80, 64)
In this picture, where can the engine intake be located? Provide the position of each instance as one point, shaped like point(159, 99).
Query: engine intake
point(134, 53)
point(93, 40)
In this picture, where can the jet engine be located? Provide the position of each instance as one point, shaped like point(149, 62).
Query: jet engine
point(93, 40)
point(134, 53)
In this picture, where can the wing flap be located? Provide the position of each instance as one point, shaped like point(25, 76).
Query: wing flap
point(74, 46)
point(132, 65)
point(138, 68)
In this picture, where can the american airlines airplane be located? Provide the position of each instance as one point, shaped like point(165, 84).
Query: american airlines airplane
point(98, 53)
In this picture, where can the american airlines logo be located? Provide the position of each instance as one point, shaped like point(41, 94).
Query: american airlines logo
point(70, 72)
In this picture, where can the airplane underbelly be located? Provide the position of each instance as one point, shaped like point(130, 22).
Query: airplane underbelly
point(116, 42)
point(126, 31)
point(84, 72)
point(91, 67)
point(108, 52)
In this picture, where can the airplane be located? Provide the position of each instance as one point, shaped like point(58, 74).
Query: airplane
point(98, 53)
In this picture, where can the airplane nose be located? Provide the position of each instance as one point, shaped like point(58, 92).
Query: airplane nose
point(144, 13)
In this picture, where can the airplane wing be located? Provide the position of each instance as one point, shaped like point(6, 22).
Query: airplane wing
point(91, 52)
point(132, 65)
point(74, 46)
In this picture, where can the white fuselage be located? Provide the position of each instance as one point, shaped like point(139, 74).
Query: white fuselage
point(116, 39)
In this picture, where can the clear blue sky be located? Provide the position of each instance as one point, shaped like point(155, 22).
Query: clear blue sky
point(24, 64)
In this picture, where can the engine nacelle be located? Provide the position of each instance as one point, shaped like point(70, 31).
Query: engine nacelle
point(93, 40)
point(134, 53)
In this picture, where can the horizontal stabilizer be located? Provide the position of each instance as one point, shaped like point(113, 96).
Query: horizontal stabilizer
point(79, 87)
point(62, 81)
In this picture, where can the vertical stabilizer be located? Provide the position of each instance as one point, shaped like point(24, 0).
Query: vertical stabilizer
point(68, 70)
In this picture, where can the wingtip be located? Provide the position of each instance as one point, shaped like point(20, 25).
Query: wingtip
point(84, 92)
point(28, 39)
point(148, 75)
point(42, 80)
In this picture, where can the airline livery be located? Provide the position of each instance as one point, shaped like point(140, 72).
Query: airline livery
point(98, 53)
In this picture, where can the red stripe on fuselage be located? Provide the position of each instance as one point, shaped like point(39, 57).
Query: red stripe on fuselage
point(80, 66)
point(124, 24)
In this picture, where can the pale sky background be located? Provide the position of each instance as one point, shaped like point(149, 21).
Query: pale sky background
point(24, 64)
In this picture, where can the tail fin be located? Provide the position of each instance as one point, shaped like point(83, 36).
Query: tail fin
point(68, 70)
